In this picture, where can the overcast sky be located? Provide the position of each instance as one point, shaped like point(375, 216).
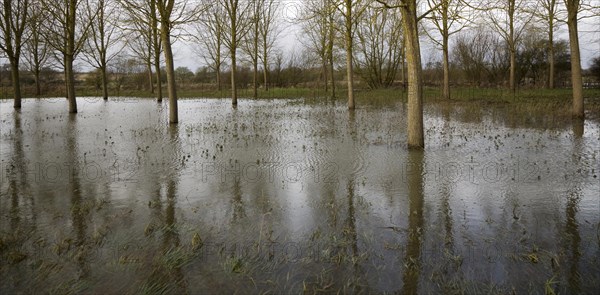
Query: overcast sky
point(589, 39)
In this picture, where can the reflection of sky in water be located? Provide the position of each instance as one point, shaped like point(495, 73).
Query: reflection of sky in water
point(302, 178)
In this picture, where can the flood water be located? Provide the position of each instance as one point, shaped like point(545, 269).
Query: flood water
point(295, 196)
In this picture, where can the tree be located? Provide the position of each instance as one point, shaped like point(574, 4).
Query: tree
point(251, 42)
point(320, 32)
point(66, 32)
point(351, 13)
point(142, 20)
point(573, 7)
point(379, 47)
point(236, 28)
point(268, 32)
point(510, 21)
point(547, 12)
point(448, 17)
point(209, 33)
point(103, 36)
point(13, 20)
point(410, 22)
point(36, 49)
point(165, 11)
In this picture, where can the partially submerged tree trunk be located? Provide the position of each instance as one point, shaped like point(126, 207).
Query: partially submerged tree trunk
point(573, 7)
point(415, 87)
point(165, 9)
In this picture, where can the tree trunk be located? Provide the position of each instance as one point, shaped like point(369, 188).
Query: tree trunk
point(104, 82)
point(415, 87)
point(233, 74)
point(576, 79)
point(158, 75)
point(171, 83)
point(255, 79)
point(446, 90)
point(349, 69)
point(16, 82)
point(70, 83)
point(513, 64)
point(36, 76)
point(150, 80)
point(551, 55)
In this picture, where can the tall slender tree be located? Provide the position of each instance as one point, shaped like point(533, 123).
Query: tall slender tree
point(237, 23)
point(165, 11)
point(13, 21)
point(511, 19)
point(103, 36)
point(36, 50)
point(573, 8)
point(448, 17)
point(66, 32)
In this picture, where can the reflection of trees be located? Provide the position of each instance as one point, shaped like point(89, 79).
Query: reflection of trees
point(79, 209)
point(572, 236)
point(412, 259)
point(166, 272)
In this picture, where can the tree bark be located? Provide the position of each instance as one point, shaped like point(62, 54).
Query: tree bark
point(446, 65)
point(104, 81)
point(16, 81)
point(414, 70)
point(70, 83)
point(349, 55)
point(576, 78)
point(171, 83)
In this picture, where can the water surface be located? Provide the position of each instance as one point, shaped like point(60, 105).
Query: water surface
point(295, 196)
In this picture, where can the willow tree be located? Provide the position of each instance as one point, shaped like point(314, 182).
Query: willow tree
point(13, 20)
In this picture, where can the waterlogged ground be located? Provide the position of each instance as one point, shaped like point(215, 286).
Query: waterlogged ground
point(295, 196)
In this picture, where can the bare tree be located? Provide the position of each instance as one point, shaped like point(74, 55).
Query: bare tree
point(13, 20)
point(66, 32)
point(166, 8)
point(573, 9)
point(511, 19)
point(142, 21)
point(103, 36)
point(379, 47)
point(36, 50)
point(236, 26)
point(410, 21)
point(268, 31)
point(547, 12)
point(209, 34)
point(351, 13)
point(251, 41)
point(448, 17)
point(320, 33)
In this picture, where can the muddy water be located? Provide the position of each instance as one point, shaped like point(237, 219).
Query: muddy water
point(295, 196)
